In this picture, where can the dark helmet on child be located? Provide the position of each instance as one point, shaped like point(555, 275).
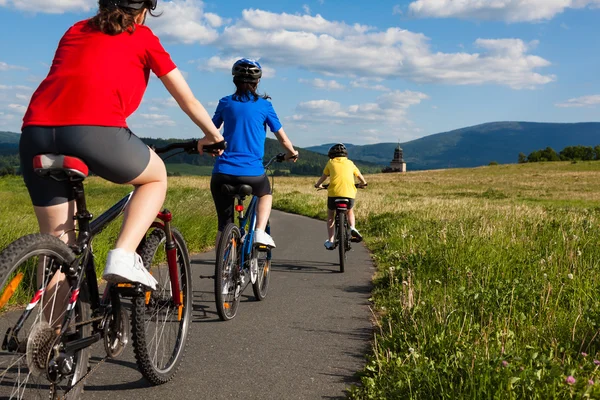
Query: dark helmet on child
point(246, 70)
point(133, 4)
point(337, 150)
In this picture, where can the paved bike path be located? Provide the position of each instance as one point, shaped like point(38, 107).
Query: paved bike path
point(306, 340)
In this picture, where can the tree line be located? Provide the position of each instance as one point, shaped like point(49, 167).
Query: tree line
point(569, 153)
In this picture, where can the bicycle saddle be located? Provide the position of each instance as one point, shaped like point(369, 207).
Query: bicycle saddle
point(60, 167)
point(239, 190)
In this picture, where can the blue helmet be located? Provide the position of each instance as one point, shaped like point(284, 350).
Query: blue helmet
point(246, 70)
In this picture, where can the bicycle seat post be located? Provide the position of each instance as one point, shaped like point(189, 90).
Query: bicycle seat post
point(83, 216)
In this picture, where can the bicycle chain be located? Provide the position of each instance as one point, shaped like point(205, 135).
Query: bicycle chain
point(81, 381)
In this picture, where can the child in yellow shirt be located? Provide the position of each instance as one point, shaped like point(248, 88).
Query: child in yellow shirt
point(341, 172)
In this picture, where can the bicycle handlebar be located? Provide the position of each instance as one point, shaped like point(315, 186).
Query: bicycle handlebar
point(278, 158)
point(357, 185)
point(191, 147)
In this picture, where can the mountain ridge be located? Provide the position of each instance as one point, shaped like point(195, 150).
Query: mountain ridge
point(477, 145)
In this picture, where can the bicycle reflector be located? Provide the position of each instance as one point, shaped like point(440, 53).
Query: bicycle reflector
point(239, 207)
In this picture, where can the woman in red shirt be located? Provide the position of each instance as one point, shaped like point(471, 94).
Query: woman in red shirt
point(97, 79)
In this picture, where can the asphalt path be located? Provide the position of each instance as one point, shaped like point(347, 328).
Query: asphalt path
point(306, 340)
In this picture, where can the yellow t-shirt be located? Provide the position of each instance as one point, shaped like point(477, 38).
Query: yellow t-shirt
point(341, 172)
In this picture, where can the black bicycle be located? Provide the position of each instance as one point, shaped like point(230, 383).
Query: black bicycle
point(343, 236)
point(52, 311)
point(238, 261)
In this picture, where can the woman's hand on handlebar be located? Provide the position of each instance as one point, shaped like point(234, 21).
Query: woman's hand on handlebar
point(219, 147)
point(292, 156)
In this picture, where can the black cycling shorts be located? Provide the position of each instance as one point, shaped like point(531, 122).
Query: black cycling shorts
point(115, 154)
point(224, 203)
point(331, 202)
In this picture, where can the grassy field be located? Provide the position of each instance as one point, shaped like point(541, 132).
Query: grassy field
point(487, 283)
point(189, 169)
point(188, 199)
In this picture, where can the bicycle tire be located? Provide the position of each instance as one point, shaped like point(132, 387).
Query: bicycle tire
point(341, 231)
point(227, 284)
point(18, 283)
point(160, 365)
point(261, 286)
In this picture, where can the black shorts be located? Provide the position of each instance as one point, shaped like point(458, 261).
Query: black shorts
point(224, 203)
point(115, 154)
point(331, 202)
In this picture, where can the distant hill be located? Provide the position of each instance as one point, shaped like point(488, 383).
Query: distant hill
point(478, 145)
point(309, 163)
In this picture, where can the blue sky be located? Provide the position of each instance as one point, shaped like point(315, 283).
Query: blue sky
point(354, 71)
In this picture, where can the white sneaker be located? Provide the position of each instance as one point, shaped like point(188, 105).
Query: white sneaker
point(123, 266)
point(263, 238)
point(329, 245)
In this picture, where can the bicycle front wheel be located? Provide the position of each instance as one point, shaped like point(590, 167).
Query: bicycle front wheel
point(227, 273)
point(159, 326)
point(341, 231)
point(30, 318)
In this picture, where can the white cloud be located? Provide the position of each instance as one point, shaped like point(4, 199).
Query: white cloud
point(364, 83)
point(185, 21)
point(389, 108)
point(217, 63)
point(306, 9)
point(51, 6)
point(17, 107)
point(303, 41)
point(7, 67)
point(504, 10)
point(323, 84)
point(158, 120)
point(584, 101)
point(266, 20)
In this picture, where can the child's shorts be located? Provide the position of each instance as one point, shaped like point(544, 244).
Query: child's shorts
point(331, 202)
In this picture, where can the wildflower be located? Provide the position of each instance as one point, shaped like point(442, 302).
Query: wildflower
point(591, 382)
point(584, 354)
point(578, 252)
point(570, 276)
point(504, 363)
point(411, 350)
point(596, 362)
point(571, 380)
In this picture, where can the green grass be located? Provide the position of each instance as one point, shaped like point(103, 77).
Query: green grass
point(189, 200)
point(189, 169)
point(488, 281)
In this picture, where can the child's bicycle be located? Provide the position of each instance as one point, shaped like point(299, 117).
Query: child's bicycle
point(343, 237)
point(238, 261)
point(47, 323)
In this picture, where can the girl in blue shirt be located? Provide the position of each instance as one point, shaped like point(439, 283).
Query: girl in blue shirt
point(245, 116)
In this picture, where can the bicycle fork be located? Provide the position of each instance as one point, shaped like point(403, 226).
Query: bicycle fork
point(171, 248)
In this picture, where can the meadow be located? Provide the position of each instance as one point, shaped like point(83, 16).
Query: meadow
point(487, 284)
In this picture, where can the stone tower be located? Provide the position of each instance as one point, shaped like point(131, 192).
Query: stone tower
point(398, 164)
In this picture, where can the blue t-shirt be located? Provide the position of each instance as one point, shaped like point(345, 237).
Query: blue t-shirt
point(245, 131)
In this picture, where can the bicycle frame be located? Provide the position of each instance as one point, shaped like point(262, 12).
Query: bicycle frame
point(84, 266)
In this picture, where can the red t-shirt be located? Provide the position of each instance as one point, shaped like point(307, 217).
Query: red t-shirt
point(97, 79)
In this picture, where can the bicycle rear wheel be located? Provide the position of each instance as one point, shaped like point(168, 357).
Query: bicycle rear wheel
point(159, 327)
point(341, 231)
point(263, 262)
point(29, 318)
point(227, 273)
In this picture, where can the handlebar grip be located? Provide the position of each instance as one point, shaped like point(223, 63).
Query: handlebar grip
point(215, 147)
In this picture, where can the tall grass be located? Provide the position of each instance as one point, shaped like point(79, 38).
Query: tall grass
point(488, 281)
point(189, 200)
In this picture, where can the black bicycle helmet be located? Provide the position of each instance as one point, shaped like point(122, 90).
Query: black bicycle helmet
point(133, 4)
point(246, 70)
point(337, 150)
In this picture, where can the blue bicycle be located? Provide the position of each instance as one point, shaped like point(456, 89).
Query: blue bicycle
point(238, 261)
